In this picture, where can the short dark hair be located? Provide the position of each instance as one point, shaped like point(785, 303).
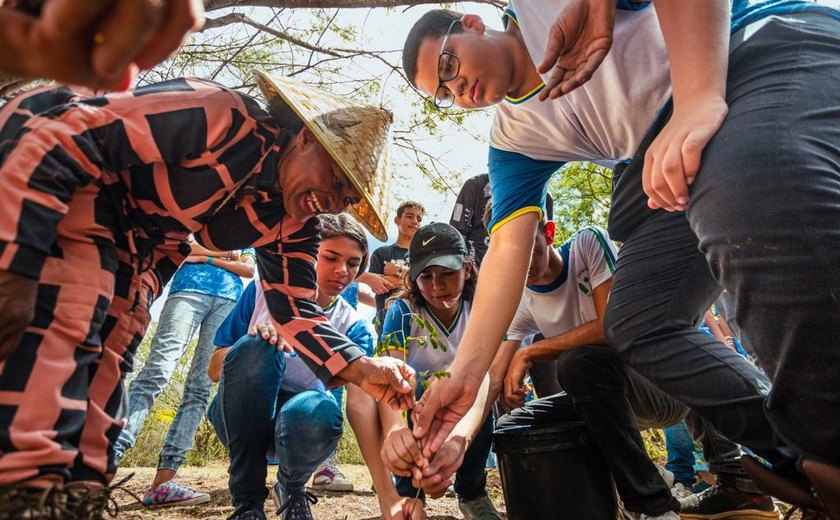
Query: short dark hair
point(433, 24)
point(344, 225)
point(410, 204)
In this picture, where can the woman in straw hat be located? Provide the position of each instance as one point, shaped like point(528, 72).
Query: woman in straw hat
point(99, 196)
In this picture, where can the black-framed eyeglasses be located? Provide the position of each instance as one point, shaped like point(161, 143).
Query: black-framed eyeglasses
point(448, 67)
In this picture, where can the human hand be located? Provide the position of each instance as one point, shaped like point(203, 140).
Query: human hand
point(443, 404)
point(378, 283)
point(437, 477)
point(385, 379)
point(196, 259)
point(514, 386)
point(97, 43)
point(270, 334)
point(578, 41)
point(401, 508)
point(401, 453)
point(673, 158)
point(413, 509)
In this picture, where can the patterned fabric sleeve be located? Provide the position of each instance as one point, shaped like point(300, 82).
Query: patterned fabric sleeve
point(287, 274)
point(178, 139)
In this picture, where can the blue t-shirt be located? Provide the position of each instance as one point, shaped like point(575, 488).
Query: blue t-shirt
point(208, 279)
point(351, 294)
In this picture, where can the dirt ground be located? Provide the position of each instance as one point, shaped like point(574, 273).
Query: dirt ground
point(361, 504)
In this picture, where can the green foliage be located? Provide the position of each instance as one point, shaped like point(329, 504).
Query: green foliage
point(655, 445)
point(581, 193)
point(391, 341)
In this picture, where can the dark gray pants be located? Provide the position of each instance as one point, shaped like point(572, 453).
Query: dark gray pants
point(764, 223)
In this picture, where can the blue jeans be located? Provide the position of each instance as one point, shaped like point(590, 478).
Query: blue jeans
point(253, 417)
point(680, 447)
point(183, 313)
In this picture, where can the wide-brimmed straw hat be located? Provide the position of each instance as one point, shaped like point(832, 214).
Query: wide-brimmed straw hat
point(354, 134)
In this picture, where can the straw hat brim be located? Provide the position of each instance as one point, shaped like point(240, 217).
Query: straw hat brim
point(300, 99)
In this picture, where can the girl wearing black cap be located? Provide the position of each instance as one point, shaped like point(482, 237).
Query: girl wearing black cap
point(423, 326)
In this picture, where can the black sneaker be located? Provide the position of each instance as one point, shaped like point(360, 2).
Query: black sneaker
point(18, 501)
point(722, 501)
point(296, 505)
point(248, 512)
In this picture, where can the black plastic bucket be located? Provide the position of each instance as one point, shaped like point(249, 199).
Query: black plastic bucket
point(554, 472)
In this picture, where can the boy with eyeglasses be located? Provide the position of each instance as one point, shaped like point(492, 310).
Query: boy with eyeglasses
point(615, 82)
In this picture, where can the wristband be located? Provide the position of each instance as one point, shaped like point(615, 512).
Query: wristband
point(210, 260)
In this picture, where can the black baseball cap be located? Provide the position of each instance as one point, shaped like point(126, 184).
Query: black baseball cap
point(436, 244)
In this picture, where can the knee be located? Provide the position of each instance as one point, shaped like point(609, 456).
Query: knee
point(317, 413)
point(579, 369)
point(253, 351)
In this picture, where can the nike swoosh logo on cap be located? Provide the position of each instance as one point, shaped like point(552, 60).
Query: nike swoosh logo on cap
point(428, 240)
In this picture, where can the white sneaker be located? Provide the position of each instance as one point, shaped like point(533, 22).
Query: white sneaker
point(680, 491)
point(329, 478)
point(667, 476)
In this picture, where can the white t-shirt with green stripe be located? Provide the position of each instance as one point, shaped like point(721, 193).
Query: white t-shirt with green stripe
point(553, 309)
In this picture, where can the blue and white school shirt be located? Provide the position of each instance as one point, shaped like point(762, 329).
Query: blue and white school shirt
point(604, 120)
point(208, 279)
point(251, 309)
point(567, 303)
point(399, 327)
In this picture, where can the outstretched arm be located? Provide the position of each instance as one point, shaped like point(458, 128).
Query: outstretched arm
point(499, 290)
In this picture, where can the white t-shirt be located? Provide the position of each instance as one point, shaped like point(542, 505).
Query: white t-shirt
point(553, 309)
point(602, 121)
point(346, 320)
point(401, 326)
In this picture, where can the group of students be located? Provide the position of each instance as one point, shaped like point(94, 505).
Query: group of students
point(719, 119)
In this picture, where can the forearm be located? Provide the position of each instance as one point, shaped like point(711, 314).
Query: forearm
point(198, 249)
point(696, 35)
point(244, 268)
point(591, 333)
point(217, 360)
point(499, 369)
point(363, 416)
point(367, 277)
point(396, 280)
point(366, 295)
point(499, 290)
